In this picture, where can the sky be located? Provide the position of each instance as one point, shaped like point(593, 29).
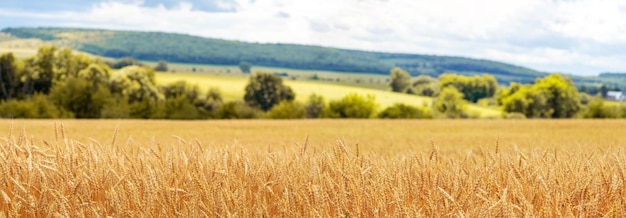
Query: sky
point(582, 37)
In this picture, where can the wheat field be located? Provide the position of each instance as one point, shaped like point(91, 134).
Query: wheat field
point(312, 168)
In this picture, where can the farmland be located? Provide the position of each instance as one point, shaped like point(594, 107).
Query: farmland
point(233, 87)
point(312, 168)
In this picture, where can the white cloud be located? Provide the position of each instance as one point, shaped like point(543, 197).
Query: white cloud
point(575, 36)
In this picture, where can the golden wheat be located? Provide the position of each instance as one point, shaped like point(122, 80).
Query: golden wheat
point(500, 175)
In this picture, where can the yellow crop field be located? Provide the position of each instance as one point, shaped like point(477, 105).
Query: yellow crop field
point(312, 168)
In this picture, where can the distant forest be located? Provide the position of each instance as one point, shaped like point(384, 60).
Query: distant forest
point(181, 48)
point(155, 46)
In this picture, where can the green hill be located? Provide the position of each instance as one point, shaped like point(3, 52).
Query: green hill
point(153, 46)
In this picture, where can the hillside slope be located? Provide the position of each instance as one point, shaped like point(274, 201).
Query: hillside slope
point(191, 49)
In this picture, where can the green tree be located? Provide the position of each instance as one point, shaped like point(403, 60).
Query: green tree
point(473, 88)
point(36, 106)
point(211, 103)
point(161, 66)
point(95, 73)
point(118, 108)
point(67, 64)
point(39, 71)
point(237, 110)
point(595, 108)
point(451, 103)
point(264, 90)
point(9, 80)
point(287, 110)
point(180, 108)
point(135, 83)
point(126, 62)
point(181, 88)
point(315, 106)
point(352, 105)
point(404, 111)
point(400, 80)
point(245, 67)
point(424, 85)
point(554, 96)
point(81, 97)
point(561, 95)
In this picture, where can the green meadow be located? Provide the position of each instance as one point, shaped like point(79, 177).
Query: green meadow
point(232, 88)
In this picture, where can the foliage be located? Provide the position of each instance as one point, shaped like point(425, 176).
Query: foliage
point(161, 66)
point(184, 101)
point(287, 110)
point(315, 106)
point(245, 67)
point(136, 83)
point(180, 108)
point(40, 71)
point(473, 88)
point(352, 106)
point(9, 80)
point(403, 111)
point(67, 64)
point(126, 62)
point(451, 103)
point(600, 89)
point(400, 80)
point(118, 109)
point(425, 85)
point(597, 108)
point(190, 49)
point(95, 74)
point(237, 110)
point(264, 90)
point(145, 108)
point(554, 96)
point(81, 97)
point(181, 89)
point(36, 106)
point(210, 104)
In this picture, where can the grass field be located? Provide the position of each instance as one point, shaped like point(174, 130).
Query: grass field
point(313, 168)
point(362, 80)
point(232, 88)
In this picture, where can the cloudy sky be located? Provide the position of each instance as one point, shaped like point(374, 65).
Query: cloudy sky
point(582, 37)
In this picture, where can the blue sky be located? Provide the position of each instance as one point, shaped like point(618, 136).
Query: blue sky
point(583, 37)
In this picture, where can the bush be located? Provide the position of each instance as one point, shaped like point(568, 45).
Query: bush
point(352, 106)
point(515, 115)
point(237, 110)
point(597, 108)
point(450, 104)
point(403, 111)
point(264, 90)
point(118, 109)
point(180, 108)
point(81, 97)
point(37, 106)
point(287, 110)
point(145, 109)
point(315, 106)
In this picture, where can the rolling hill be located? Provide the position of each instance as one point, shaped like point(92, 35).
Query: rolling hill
point(154, 46)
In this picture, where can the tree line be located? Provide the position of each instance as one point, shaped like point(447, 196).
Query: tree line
point(553, 96)
point(58, 83)
point(155, 46)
